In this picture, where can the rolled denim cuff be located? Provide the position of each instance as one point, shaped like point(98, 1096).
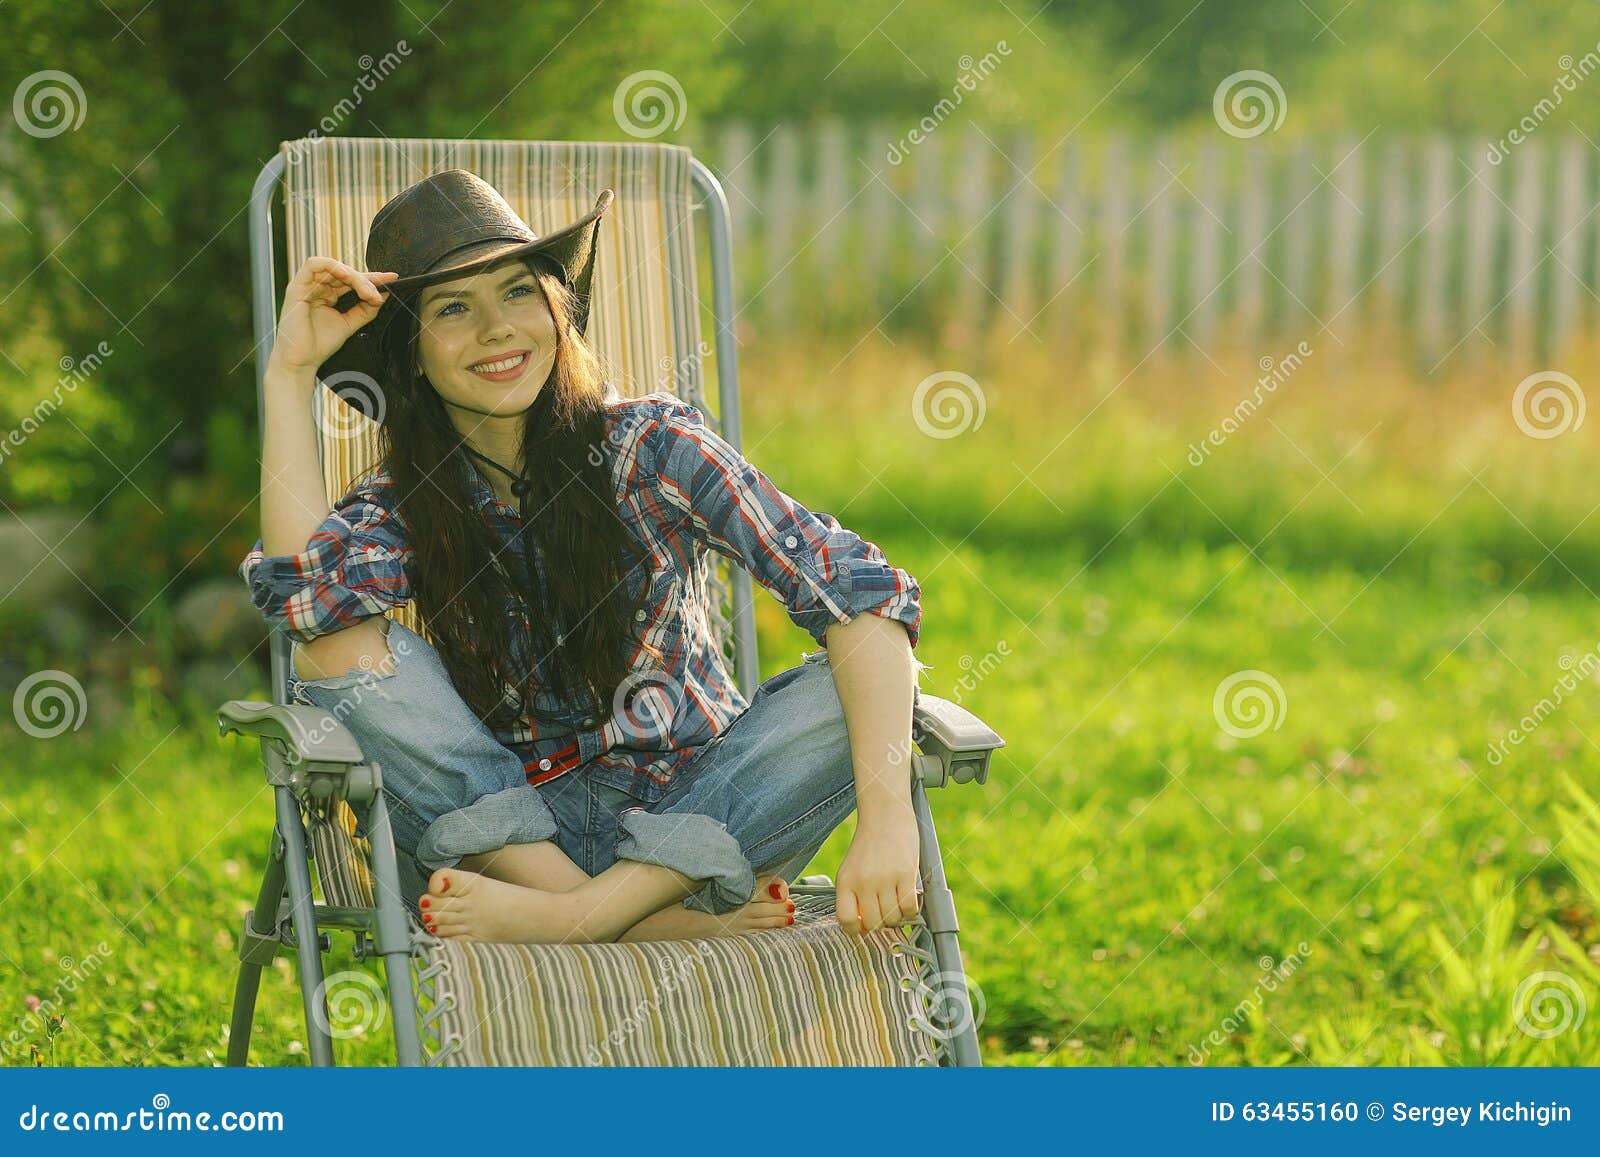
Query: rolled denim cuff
point(696, 845)
point(517, 815)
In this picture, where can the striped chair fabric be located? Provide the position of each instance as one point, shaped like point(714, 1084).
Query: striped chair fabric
point(808, 995)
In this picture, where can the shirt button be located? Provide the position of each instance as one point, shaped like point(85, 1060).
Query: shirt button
point(791, 542)
point(544, 765)
point(638, 616)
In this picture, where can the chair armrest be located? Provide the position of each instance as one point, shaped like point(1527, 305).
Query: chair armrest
point(304, 748)
point(955, 743)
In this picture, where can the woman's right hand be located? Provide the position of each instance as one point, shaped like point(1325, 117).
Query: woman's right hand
point(311, 329)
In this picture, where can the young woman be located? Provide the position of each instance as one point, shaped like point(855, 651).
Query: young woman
point(568, 760)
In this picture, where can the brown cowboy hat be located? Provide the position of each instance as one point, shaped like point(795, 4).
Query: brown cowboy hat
point(445, 226)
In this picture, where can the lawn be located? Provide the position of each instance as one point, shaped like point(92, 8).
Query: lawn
point(1148, 877)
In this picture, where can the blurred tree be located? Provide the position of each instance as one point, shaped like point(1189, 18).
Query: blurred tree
point(129, 228)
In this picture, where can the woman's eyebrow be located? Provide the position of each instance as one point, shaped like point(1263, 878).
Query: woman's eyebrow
point(516, 275)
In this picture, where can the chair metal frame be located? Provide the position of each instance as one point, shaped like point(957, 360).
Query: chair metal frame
point(311, 760)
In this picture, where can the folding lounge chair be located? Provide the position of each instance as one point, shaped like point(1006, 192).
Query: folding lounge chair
point(808, 994)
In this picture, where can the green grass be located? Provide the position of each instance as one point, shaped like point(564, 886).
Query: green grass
point(1133, 879)
point(1119, 879)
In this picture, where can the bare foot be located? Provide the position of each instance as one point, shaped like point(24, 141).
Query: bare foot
point(770, 907)
point(466, 904)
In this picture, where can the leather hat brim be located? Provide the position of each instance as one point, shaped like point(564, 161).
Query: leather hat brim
point(353, 370)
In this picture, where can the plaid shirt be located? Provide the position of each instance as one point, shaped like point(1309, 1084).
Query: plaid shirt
point(681, 489)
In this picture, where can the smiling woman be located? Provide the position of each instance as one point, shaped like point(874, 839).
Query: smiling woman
point(563, 758)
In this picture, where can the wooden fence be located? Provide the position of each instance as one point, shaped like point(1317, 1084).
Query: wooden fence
point(1173, 239)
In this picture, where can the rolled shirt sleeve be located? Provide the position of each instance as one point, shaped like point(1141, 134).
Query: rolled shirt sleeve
point(821, 572)
point(352, 568)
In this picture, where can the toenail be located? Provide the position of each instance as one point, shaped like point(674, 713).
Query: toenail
point(776, 890)
point(791, 905)
point(791, 920)
point(424, 902)
point(446, 886)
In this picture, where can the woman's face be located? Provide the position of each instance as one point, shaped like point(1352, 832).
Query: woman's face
point(487, 342)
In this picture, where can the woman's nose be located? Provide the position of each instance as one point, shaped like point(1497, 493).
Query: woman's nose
point(496, 327)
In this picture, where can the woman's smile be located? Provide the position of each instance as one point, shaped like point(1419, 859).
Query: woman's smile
point(505, 368)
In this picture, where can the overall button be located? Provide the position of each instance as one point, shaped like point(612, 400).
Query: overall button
point(544, 765)
point(638, 616)
point(589, 722)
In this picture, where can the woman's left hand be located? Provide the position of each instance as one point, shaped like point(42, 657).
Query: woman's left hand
point(877, 885)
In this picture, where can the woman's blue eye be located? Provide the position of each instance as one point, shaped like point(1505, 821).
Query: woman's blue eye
point(524, 285)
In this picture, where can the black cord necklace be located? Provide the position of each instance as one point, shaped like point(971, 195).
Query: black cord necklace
point(519, 482)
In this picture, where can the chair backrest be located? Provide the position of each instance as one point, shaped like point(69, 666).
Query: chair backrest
point(644, 312)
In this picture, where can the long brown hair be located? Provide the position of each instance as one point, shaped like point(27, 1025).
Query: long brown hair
point(579, 629)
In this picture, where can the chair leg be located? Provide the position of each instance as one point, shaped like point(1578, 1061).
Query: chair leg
point(939, 914)
point(263, 923)
point(394, 936)
point(308, 942)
